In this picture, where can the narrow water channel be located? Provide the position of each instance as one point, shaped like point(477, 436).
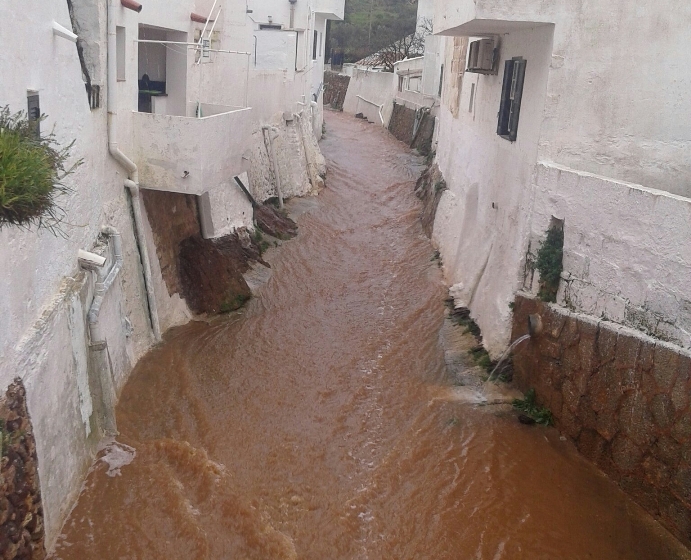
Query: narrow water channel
point(302, 427)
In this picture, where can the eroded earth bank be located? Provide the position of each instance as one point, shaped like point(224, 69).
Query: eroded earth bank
point(306, 425)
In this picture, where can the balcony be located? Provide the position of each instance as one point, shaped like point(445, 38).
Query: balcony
point(191, 154)
point(489, 17)
point(332, 9)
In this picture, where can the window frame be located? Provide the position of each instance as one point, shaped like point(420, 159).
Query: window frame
point(511, 97)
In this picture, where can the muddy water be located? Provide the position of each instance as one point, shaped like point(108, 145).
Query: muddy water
point(303, 426)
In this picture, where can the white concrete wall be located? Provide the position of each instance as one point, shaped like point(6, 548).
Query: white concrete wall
point(626, 253)
point(627, 65)
point(377, 87)
point(187, 154)
point(482, 219)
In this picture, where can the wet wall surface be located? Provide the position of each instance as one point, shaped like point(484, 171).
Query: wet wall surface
point(303, 426)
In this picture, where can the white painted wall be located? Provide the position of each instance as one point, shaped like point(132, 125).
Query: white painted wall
point(482, 219)
point(627, 63)
point(377, 88)
point(626, 253)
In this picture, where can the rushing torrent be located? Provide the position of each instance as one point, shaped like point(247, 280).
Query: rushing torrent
point(301, 426)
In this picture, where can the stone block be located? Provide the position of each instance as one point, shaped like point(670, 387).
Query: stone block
point(586, 413)
point(646, 356)
point(587, 346)
point(549, 348)
point(682, 429)
point(568, 423)
point(591, 445)
point(628, 348)
point(657, 473)
point(662, 410)
point(607, 425)
point(675, 516)
point(638, 487)
point(681, 392)
point(570, 360)
point(570, 334)
point(556, 401)
point(570, 395)
point(665, 367)
point(667, 450)
point(606, 346)
point(635, 421)
point(626, 454)
point(605, 388)
point(553, 322)
point(615, 308)
point(680, 484)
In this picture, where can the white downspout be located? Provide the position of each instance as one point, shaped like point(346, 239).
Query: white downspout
point(132, 183)
point(98, 344)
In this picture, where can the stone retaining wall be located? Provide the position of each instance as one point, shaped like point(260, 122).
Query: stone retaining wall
point(21, 509)
point(335, 89)
point(621, 396)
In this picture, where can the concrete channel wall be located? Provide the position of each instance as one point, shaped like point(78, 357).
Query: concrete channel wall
point(621, 396)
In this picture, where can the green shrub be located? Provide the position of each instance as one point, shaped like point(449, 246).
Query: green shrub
point(540, 414)
point(549, 263)
point(32, 170)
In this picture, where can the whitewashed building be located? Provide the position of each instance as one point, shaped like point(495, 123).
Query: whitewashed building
point(573, 115)
point(168, 95)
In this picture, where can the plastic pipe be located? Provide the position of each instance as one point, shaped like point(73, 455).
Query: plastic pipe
point(144, 252)
point(98, 344)
point(133, 182)
point(103, 284)
point(60, 31)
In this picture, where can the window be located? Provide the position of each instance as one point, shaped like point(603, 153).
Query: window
point(400, 83)
point(120, 53)
point(314, 45)
point(34, 112)
point(441, 80)
point(511, 93)
point(472, 98)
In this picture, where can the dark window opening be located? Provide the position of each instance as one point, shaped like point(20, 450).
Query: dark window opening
point(511, 93)
point(34, 113)
point(441, 80)
point(270, 26)
point(314, 46)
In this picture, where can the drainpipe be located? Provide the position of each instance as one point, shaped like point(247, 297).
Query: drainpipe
point(267, 130)
point(132, 183)
point(98, 344)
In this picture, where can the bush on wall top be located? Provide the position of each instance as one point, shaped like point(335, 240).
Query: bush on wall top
point(32, 170)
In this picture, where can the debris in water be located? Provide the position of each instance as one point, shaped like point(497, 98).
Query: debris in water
point(117, 455)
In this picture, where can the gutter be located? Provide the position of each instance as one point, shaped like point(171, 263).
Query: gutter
point(132, 183)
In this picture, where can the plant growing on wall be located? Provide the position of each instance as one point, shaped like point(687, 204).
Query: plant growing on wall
point(549, 262)
point(32, 171)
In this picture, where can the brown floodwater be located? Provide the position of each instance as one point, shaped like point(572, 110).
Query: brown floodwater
point(302, 427)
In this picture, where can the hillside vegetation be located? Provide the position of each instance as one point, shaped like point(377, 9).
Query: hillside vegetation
point(371, 25)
